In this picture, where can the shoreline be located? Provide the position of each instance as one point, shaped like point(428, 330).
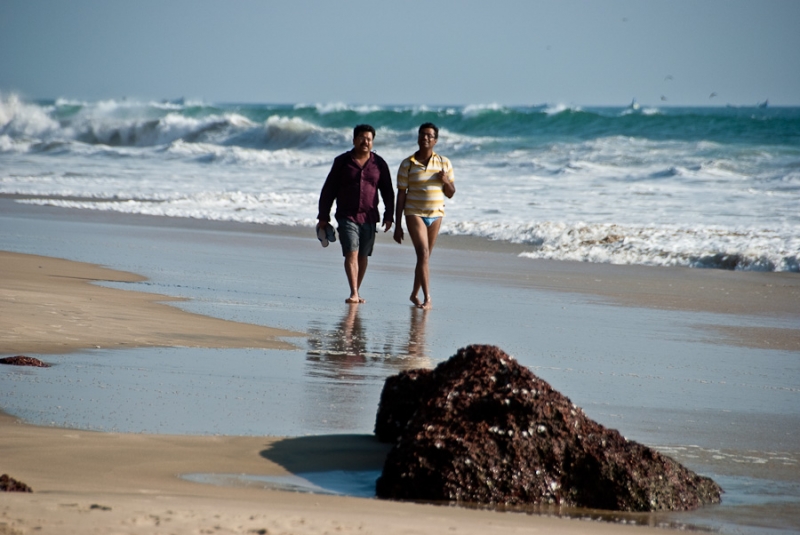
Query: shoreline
point(137, 475)
point(731, 293)
point(775, 284)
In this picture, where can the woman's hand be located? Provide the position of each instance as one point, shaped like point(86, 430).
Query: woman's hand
point(448, 187)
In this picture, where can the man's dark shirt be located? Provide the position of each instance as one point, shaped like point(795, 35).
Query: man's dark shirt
point(355, 190)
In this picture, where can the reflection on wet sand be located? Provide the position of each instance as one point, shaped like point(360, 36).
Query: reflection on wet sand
point(347, 353)
point(417, 349)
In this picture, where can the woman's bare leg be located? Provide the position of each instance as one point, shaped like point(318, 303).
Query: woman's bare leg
point(423, 238)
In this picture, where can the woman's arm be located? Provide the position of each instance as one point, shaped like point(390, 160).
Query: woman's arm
point(398, 220)
point(448, 187)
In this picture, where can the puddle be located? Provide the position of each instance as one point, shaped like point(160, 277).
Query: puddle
point(360, 484)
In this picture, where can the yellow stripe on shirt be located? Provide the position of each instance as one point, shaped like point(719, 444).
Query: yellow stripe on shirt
point(424, 194)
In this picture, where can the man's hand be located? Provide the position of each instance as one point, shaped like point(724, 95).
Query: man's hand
point(321, 223)
point(387, 225)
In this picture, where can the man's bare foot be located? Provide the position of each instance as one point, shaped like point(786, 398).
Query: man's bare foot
point(414, 299)
point(354, 300)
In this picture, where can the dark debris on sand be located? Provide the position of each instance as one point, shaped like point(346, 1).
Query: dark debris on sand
point(9, 484)
point(480, 428)
point(22, 360)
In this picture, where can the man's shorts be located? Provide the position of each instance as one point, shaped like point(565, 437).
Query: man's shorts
point(355, 237)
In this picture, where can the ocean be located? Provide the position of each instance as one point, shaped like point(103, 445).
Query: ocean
point(710, 187)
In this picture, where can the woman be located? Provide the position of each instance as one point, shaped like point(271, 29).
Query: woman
point(423, 181)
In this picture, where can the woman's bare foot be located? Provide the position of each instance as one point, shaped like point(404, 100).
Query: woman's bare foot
point(414, 299)
point(427, 305)
point(354, 300)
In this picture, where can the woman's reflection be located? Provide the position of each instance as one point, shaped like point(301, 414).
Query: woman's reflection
point(345, 353)
point(417, 349)
point(337, 352)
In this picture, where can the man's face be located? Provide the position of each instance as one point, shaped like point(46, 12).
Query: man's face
point(363, 142)
point(427, 138)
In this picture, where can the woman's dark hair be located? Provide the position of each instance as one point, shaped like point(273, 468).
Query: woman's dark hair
point(432, 127)
point(363, 128)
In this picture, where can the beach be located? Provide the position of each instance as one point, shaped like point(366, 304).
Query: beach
point(217, 363)
point(127, 483)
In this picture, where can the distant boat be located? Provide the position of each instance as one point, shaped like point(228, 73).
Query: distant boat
point(763, 104)
point(634, 105)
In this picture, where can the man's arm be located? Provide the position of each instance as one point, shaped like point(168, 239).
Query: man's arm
point(328, 195)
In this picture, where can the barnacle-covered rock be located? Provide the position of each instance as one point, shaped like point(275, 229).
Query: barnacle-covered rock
point(9, 484)
point(22, 360)
point(481, 428)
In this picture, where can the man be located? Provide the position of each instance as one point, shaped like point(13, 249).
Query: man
point(423, 181)
point(354, 181)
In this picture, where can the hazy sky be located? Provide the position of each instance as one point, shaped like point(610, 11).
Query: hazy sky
point(405, 52)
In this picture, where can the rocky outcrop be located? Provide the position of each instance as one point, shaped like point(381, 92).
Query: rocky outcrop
point(9, 484)
point(21, 360)
point(481, 428)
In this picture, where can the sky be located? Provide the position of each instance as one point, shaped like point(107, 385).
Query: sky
point(448, 52)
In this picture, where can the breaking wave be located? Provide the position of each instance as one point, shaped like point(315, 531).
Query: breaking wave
point(701, 187)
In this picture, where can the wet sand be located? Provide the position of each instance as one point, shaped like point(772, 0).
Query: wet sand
point(52, 308)
point(291, 286)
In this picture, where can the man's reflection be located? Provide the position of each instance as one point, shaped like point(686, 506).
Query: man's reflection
point(338, 352)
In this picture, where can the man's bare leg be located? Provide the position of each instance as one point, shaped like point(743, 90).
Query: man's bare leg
point(354, 276)
point(363, 261)
point(423, 238)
